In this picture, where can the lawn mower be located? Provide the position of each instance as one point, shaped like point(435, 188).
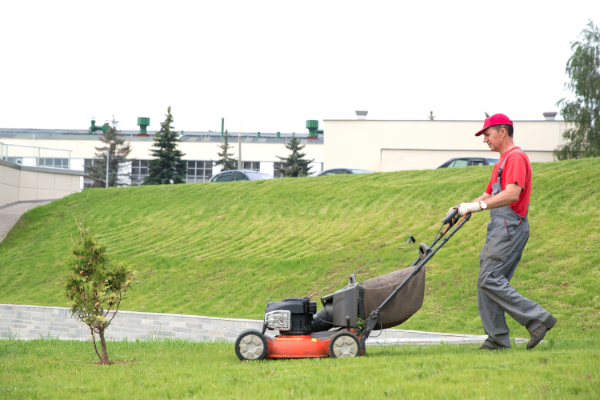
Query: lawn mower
point(349, 315)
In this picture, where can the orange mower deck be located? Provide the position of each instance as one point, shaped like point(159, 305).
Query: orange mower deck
point(300, 346)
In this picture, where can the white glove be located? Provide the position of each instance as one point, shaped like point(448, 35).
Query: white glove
point(466, 208)
point(452, 209)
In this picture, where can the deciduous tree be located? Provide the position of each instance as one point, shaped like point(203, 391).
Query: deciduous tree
point(583, 112)
point(118, 150)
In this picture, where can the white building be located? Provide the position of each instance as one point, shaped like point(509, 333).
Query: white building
point(72, 149)
point(386, 146)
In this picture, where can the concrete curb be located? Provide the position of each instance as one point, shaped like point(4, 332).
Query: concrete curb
point(32, 322)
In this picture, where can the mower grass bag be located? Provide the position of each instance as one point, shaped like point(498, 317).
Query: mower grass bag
point(404, 305)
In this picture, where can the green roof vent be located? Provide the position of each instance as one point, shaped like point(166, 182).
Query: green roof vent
point(313, 129)
point(143, 122)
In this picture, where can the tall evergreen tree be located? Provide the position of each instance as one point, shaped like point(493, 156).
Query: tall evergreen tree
point(583, 68)
point(167, 167)
point(295, 164)
point(118, 150)
point(225, 156)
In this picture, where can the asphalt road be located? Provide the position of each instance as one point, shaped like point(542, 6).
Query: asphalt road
point(10, 215)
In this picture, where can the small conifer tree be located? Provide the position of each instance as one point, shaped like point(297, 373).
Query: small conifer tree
point(114, 143)
point(295, 164)
point(225, 157)
point(95, 286)
point(167, 167)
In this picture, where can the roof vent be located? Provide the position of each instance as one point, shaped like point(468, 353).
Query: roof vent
point(550, 115)
point(361, 114)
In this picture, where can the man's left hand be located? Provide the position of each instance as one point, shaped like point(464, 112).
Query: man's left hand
point(466, 208)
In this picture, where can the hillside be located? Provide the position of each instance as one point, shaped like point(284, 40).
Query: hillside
point(227, 249)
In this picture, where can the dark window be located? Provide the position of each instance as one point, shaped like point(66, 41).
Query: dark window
point(492, 161)
point(14, 160)
point(331, 172)
point(257, 176)
point(225, 177)
point(343, 171)
point(54, 163)
point(88, 162)
point(276, 172)
point(251, 165)
point(477, 162)
point(199, 171)
point(139, 171)
point(238, 176)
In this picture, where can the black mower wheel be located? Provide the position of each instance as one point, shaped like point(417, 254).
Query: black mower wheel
point(251, 345)
point(344, 344)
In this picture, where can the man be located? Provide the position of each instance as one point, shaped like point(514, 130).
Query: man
point(507, 198)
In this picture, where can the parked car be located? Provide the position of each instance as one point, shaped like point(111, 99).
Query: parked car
point(342, 171)
point(239, 175)
point(468, 161)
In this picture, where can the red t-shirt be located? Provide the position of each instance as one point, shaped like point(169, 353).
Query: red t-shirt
point(516, 170)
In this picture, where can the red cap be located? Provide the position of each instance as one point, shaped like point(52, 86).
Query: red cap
point(496, 119)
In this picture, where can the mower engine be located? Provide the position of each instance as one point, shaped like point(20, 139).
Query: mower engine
point(292, 316)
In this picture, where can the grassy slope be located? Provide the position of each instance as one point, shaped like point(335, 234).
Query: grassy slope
point(227, 249)
point(177, 369)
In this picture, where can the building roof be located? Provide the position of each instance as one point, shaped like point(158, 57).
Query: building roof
point(189, 136)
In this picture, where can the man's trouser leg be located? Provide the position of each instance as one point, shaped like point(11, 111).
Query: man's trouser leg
point(495, 296)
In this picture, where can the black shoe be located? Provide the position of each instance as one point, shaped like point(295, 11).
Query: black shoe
point(538, 334)
point(487, 346)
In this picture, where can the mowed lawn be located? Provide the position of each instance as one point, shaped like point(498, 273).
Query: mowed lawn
point(227, 249)
point(170, 369)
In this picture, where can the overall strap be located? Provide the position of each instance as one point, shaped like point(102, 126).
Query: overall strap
point(500, 174)
point(504, 162)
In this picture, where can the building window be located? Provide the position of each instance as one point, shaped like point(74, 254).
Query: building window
point(276, 172)
point(14, 160)
point(87, 181)
point(139, 171)
point(199, 171)
point(54, 163)
point(251, 165)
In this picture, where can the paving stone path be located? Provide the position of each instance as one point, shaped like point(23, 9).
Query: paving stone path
point(11, 214)
point(30, 322)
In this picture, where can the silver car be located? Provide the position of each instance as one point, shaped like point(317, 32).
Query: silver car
point(239, 175)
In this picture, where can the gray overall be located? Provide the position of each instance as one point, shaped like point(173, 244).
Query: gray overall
point(507, 235)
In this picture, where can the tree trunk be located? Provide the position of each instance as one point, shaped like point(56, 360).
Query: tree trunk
point(103, 344)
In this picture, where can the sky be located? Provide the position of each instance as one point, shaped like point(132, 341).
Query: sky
point(269, 66)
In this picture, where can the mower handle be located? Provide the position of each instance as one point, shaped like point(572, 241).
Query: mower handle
point(450, 216)
point(375, 315)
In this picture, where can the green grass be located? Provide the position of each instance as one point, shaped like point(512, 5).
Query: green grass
point(178, 369)
point(227, 249)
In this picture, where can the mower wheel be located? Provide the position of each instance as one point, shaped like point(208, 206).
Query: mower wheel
point(344, 344)
point(251, 345)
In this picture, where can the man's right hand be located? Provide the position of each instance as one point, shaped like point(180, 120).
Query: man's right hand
point(466, 208)
point(451, 209)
